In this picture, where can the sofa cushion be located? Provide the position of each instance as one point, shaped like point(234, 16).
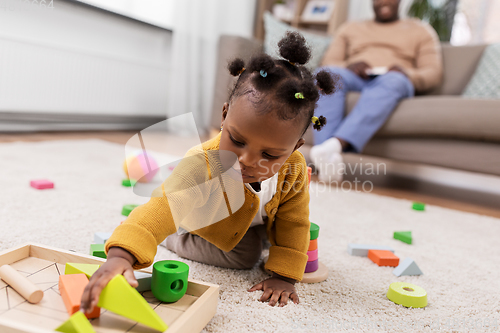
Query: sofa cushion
point(459, 64)
point(441, 116)
point(275, 30)
point(486, 80)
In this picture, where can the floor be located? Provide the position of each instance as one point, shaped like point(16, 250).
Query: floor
point(177, 146)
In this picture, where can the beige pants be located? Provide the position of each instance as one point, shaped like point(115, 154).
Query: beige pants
point(244, 255)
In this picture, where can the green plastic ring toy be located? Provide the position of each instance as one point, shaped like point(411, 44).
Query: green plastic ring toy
point(407, 294)
point(314, 231)
point(170, 280)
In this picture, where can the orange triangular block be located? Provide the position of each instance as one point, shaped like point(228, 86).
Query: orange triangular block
point(77, 323)
point(121, 298)
point(87, 269)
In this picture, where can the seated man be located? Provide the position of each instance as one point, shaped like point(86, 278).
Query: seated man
point(385, 59)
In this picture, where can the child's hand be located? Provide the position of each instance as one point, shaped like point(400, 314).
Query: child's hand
point(277, 289)
point(119, 262)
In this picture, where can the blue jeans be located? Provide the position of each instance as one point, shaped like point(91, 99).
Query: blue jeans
point(379, 97)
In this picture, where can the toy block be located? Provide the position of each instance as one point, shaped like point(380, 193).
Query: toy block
point(128, 182)
point(312, 255)
point(170, 280)
point(87, 269)
point(119, 297)
point(312, 266)
point(361, 250)
point(407, 267)
point(71, 287)
point(41, 184)
point(313, 231)
point(97, 250)
point(144, 280)
point(404, 236)
point(21, 284)
point(127, 209)
point(77, 323)
point(407, 294)
point(101, 237)
point(418, 206)
point(313, 245)
point(383, 258)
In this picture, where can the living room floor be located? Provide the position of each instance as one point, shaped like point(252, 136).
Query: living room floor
point(178, 145)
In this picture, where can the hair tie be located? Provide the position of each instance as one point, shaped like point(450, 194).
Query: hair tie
point(241, 71)
point(263, 73)
point(299, 95)
point(315, 120)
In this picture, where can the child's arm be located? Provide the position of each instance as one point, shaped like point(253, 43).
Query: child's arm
point(119, 262)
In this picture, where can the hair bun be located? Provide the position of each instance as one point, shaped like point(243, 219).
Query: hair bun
point(293, 48)
point(318, 125)
point(236, 67)
point(327, 82)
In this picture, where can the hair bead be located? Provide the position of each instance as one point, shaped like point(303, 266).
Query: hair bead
point(263, 73)
point(299, 95)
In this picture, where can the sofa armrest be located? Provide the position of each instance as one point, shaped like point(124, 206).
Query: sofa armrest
point(230, 47)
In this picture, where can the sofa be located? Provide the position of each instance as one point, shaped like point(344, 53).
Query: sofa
point(439, 128)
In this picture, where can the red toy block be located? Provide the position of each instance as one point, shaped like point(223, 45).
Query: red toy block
point(71, 287)
point(313, 245)
point(383, 258)
point(41, 184)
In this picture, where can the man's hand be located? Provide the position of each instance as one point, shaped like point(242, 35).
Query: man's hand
point(276, 289)
point(359, 68)
point(397, 68)
point(119, 262)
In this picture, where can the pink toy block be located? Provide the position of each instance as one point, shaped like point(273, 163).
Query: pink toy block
point(42, 184)
point(312, 255)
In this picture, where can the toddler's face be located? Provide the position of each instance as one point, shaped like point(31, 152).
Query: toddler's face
point(262, 143)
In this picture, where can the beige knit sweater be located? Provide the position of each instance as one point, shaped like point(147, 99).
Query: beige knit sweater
point(409, 43)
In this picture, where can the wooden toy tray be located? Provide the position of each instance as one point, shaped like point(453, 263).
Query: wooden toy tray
point(42, 265)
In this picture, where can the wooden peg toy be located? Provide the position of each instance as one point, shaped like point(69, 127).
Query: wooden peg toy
point(22, 285)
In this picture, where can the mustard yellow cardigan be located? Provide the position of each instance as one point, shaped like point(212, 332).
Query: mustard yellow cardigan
point(287, 227)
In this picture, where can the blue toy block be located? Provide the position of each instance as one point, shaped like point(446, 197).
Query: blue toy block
point(362, 249)
point(407, 267)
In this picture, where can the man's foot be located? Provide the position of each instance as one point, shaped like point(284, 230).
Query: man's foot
point(328, 160)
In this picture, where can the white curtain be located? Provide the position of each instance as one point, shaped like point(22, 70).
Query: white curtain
point(197, 27)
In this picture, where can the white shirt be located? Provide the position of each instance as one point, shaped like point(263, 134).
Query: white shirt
point(267, 191)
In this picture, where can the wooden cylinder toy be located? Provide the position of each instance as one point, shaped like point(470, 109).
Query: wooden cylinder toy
point(170, 280)
point(22, 285)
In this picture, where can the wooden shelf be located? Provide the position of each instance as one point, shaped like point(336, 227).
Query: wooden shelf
point(338, 17)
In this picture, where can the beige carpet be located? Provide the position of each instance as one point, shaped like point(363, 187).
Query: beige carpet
point(458, 252)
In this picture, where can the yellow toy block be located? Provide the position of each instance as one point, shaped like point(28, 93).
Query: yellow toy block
point(121, 298)
point(77, 323)
point(87, 269)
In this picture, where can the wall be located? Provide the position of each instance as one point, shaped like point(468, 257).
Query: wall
point(73, 59)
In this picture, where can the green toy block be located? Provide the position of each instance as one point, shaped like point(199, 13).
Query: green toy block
point(127, 209)
point(314, 231)
point(77, 323)
point(87, 269)
point(128, 182)
point(121, 298)
point(418, 206)
point(170, 280)
point(97, 250)
point(404, 236)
